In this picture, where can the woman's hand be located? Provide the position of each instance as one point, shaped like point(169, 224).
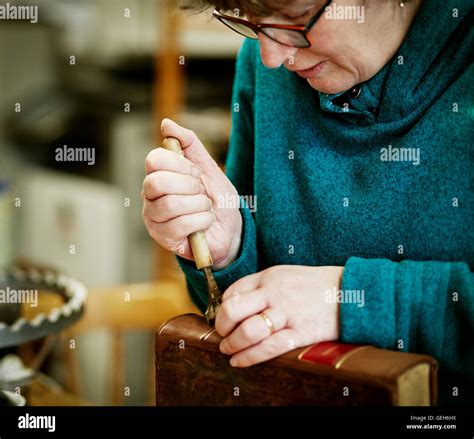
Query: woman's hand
point(294, 300)
point(182, 195)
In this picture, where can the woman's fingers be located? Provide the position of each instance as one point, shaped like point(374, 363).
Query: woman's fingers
point(232, 312)
point(252, 331)
point(171, 206)
point(176, 193)
point(160, 183)
point(181, 227)
point(186, 137)
point(161, 159)
point(273, 346)
point(242, 285)
point(192, 147)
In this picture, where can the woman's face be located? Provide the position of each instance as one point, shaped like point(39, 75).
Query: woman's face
point(344, 51)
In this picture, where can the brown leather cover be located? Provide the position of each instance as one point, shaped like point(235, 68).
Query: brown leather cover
point(191, 371)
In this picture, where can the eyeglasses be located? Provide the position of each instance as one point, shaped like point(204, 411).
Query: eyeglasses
point(288, 35)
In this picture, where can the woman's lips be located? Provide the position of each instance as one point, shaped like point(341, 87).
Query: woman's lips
point(312, 71)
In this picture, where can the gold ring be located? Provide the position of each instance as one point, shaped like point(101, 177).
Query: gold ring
point(268, 322)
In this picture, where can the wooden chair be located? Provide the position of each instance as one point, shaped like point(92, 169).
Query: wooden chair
point(119, 309)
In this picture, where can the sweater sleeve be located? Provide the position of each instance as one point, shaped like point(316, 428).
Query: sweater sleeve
point(239, 169)
point(422, 307)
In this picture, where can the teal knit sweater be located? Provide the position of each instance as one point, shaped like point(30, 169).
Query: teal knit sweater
point(331, 190)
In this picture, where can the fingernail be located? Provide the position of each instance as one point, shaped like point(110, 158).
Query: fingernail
point(195, 172)
point(222, 348)
point(234, 362)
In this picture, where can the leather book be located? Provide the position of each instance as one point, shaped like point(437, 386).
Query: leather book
point(191, 371)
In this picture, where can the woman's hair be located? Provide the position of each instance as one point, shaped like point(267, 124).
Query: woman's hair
point(252, 7)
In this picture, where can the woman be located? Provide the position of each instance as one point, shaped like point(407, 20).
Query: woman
point(354, 137)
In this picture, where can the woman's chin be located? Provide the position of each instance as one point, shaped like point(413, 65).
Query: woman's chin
point(327, 84)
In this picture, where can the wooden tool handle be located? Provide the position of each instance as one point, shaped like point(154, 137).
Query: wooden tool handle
point(197, 240)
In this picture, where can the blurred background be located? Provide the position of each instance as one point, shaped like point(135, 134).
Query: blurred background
point(98, 76)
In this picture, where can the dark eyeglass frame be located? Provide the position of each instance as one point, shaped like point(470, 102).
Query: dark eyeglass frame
point(302, 29)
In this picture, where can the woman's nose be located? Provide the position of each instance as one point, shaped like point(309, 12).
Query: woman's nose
point(272, 53)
